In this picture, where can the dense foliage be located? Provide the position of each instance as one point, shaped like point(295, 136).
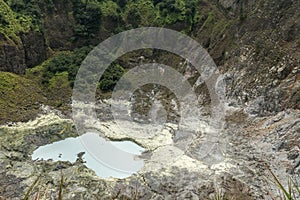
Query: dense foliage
point(12, 23)
point(64, 62)
point(87, 23)
point(87, 15)
point(63, 67)
point(110, 77)
point(30, 9)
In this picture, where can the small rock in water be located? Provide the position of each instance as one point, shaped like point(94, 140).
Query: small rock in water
point(80, 159)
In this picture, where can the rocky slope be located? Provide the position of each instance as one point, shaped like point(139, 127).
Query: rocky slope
point(255, 45)
point(254, 147)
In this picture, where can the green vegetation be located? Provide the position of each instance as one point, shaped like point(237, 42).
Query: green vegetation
point(140, 13)
point(12, 24)
point(55, 76)
point(160, 13)
point(110, 77)
point(110, 9)
point(20, 98)
point(18, 16)
point(172, 11)
point(37, 195)
point(87, 15)
point(65, 61)
point(291, 192)
point(30, 8)
point(132, 14)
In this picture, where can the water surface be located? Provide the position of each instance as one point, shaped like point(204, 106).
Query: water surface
point(106, 158)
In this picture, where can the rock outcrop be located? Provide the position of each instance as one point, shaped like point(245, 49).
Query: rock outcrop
point(12, 58)
point(35, 49)
point(17, 58)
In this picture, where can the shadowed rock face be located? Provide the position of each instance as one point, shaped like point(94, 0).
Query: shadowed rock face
point(12, 57)
point(34, 48)
point(16, 58)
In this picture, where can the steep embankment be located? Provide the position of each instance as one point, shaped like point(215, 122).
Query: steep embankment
point(20, 98)
point(22, 43)
point(254, 43)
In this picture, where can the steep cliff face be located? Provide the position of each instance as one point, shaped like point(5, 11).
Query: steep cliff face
point(12, 58)
point(18, 57)
point(12, 52)
point(20, 45)
point(34, 48)
point(58, 24)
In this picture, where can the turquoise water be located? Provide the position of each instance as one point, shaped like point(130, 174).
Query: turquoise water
point(106, 158)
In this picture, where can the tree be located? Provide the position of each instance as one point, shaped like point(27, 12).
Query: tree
point(87, 15)
point(110, 77)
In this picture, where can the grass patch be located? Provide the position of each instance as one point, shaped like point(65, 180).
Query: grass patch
point(37, 195)
point(20, 98)
point(291, 192)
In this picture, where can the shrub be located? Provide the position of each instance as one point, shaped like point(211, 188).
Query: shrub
point(110, 77)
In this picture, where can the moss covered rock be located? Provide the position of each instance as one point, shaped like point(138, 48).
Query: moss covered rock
point(20, 98)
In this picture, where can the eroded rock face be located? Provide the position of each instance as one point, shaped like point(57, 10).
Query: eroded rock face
point(59, 25)
point(17, 57)
point(35, 48)
point(228, 3)
point(12, 57)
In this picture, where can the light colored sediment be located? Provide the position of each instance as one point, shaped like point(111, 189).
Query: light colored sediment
point(166, 162)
